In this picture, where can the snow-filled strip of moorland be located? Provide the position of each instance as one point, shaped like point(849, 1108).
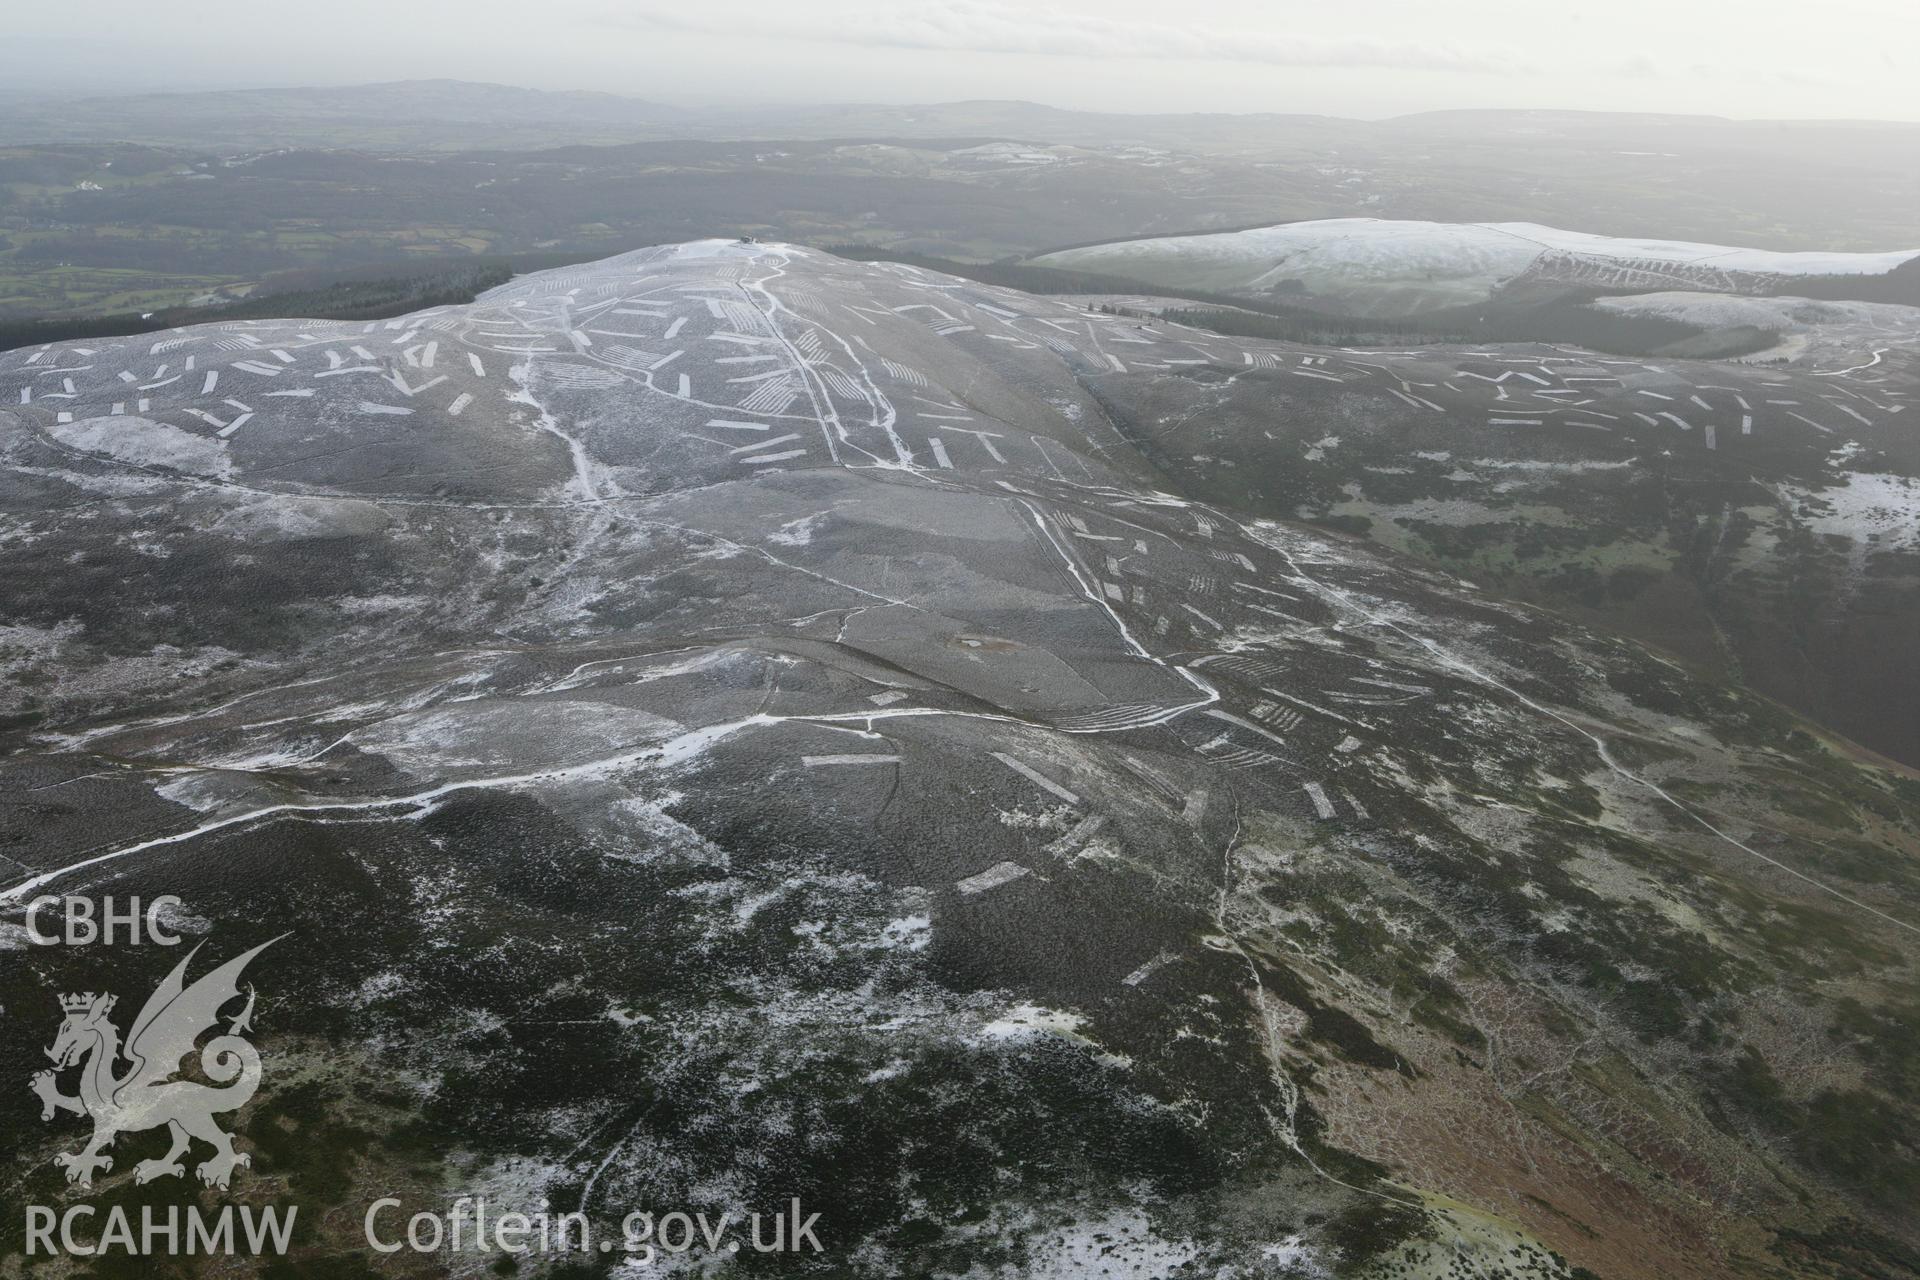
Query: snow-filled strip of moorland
point(1373, 250)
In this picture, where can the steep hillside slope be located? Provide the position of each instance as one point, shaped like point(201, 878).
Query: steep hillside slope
point(1760, 520)
point(726, 724)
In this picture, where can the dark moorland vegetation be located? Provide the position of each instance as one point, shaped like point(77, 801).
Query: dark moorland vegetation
point(374, 297)
point(1565, 319)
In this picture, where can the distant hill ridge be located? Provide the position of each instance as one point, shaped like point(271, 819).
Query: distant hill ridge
point(1379, 267)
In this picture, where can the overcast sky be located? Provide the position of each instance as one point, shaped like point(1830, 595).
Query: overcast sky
point(1752, 58)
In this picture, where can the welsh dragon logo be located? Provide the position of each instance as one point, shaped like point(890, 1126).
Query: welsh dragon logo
point(146, 1095)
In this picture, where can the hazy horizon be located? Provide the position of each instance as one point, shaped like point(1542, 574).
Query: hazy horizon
point(1369, 60)
point(693, 104)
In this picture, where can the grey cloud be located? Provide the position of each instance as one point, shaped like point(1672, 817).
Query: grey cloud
point(981, 26)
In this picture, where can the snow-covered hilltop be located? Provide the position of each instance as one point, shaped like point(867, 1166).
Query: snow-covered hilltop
point(792, 731)
point(1376, 267)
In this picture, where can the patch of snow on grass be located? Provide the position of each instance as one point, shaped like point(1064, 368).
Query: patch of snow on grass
point(146, 443)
